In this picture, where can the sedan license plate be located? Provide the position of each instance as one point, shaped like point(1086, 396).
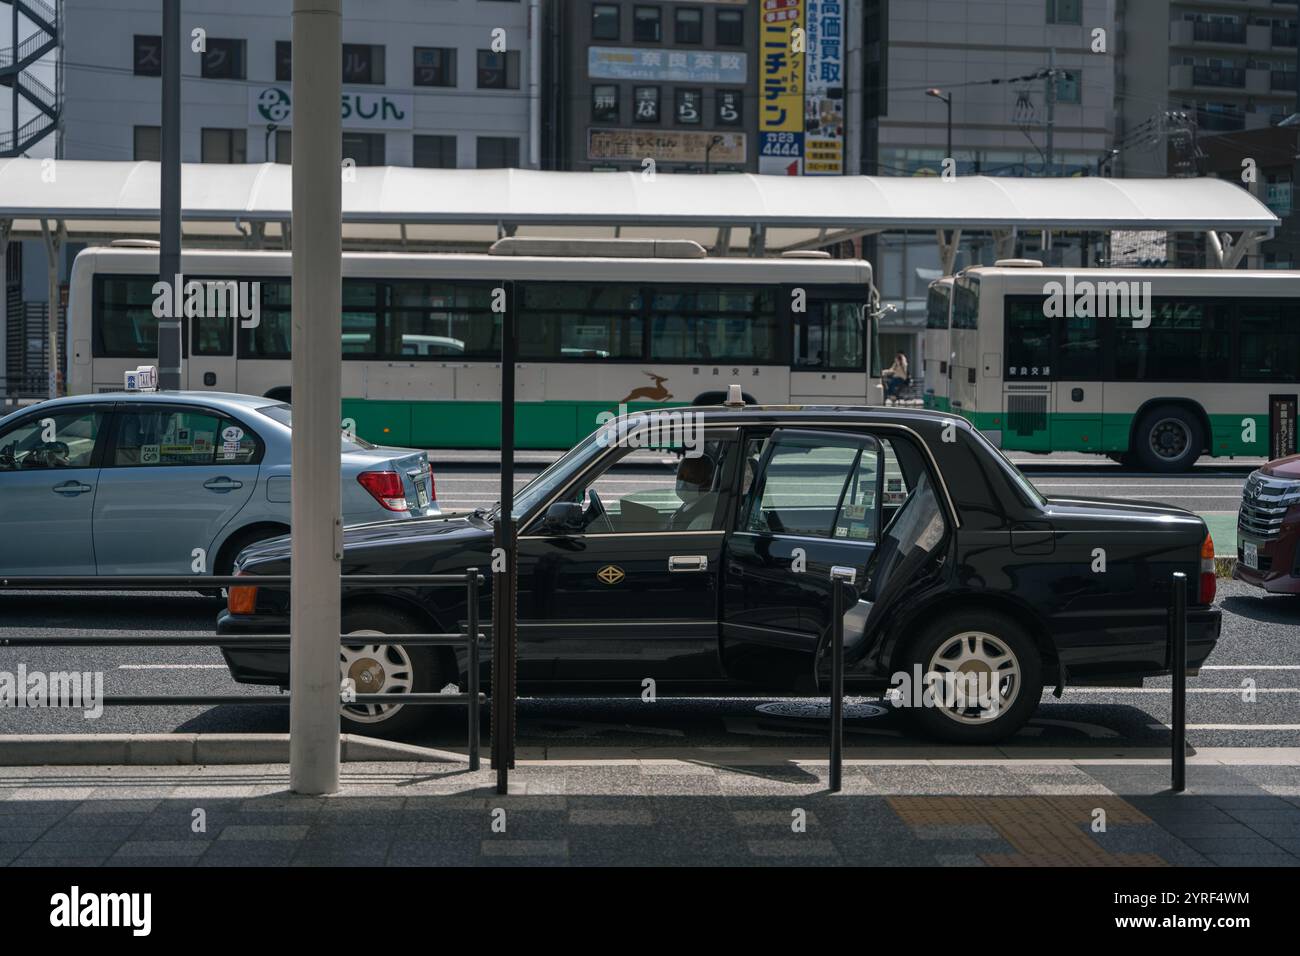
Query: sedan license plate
point(422, 493)
point(1250, 554)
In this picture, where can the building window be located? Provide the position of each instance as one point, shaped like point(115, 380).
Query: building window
point(284, 146)
point(729, 105)
point(688, 25)
point(363, 63)
point(435, 152)
point(364, 149)
point(435, 66)
point(647, 25)
point(604, 21)
point(146, 56)
point(498, 71)
point(604, 103)
point(225, 146)
point(148, 143)
point(497, 152)
point(1064, 11)
point(223, 60)
point(688, 107)
point(283, 61)
point(1067, 87)
point(729, 28)
point(645, 104)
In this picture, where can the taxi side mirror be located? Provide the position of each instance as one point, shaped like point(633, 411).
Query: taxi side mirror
point(563, 516)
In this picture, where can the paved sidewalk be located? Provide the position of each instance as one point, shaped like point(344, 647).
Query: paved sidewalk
point(1082, 812)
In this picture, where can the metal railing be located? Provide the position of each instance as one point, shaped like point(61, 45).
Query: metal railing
point(469, 637)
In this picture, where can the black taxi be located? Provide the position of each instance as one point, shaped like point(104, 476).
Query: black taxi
point(712, 576)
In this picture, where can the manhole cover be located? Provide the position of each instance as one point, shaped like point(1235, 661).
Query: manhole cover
point(820, 709)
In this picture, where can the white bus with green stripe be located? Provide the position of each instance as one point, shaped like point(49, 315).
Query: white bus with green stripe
point(643, 324)
point(1153, 367)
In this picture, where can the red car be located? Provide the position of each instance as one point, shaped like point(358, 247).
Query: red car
point(1268, 528)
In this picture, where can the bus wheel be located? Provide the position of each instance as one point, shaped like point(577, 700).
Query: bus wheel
point(1168, 438)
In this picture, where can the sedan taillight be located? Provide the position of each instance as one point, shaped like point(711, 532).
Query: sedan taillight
point(1205, 594)
point(386, 488)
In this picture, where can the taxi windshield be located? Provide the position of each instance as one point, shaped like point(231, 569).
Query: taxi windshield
point(575, 460)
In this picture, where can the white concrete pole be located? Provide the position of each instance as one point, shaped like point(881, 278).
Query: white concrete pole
point(317, 372)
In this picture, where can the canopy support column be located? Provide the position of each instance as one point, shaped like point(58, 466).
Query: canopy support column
point(1004, 241)
point(949, 242)
point(54, 239)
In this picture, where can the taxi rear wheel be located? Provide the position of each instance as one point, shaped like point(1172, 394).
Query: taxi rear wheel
point(987, 677)
point(382, 668)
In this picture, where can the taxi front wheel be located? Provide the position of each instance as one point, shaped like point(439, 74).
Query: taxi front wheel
point(381, 668)
point(982, 677)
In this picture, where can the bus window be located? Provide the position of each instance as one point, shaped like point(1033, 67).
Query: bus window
point(828, 335)
point(1187, 340)
point(966, 304)
point(1028, 338)
point(124, 325)
point(1269, 342)
point(1078, 354)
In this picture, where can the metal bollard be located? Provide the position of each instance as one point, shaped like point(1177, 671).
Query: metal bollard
point(840, 577)
point(472, 666)
point(1178, 640)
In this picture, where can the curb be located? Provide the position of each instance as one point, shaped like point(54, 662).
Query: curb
point(158, 750)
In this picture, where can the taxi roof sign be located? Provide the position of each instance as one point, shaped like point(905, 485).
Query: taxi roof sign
point(143, 379)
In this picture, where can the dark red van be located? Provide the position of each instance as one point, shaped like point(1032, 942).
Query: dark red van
point(1268, 528)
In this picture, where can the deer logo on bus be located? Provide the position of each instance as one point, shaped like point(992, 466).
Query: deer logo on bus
point(656, 394)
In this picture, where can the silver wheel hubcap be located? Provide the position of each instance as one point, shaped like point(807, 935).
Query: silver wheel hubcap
point(375, 669)
point(977, 677)
point(1170, 439)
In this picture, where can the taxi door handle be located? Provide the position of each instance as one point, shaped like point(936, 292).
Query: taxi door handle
point(688, 562)
point(70, 488)
point(222, 484)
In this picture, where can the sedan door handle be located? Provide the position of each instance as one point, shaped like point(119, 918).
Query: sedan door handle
point(688, 562)
point(222, 484)
point(70, 488)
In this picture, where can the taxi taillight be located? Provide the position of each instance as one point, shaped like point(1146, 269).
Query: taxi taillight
point(1205, 594)
point(241, 599)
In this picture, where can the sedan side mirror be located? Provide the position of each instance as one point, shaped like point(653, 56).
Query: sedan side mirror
point(563, 516)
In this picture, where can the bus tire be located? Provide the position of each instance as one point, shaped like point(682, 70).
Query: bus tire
point(968, 643)
point(1168, 438)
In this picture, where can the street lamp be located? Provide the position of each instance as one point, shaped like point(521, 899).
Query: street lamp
point(946, 99)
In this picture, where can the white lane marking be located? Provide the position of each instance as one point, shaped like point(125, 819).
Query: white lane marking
point(170, 667)
point(1229, 727)
point(1168, 690)
point(1250, 667)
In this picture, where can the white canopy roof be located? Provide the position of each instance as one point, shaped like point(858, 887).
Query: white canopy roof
point(392, 205)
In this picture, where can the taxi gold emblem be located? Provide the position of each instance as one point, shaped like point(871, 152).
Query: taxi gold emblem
point(610, 574)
